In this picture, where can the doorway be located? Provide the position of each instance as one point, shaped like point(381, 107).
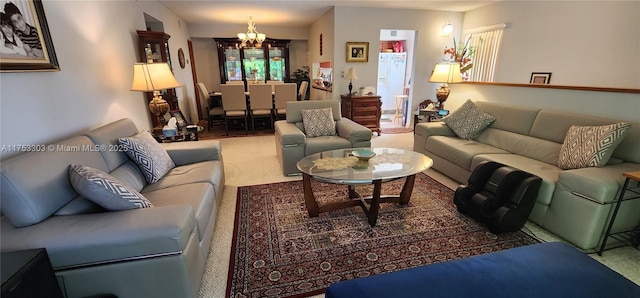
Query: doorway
point(395, 66)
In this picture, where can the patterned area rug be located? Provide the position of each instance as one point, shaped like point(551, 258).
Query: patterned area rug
point(279, 251)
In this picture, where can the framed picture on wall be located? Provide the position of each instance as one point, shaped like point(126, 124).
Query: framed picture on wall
point(540, 78)
point(357, 52)
point(27, 44)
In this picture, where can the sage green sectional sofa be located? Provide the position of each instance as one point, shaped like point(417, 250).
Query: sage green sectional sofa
point(573, 204)
point(149, 252)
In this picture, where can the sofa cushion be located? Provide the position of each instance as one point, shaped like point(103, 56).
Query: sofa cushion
point(153, 160)
point(105, 190)
point(200, 196)
point(36, 184)
point(590, 146)
point(109, 135)
point(517, 119)
point(458, 151)
point(325, 143)
point(468, 121)
point(211, 172)
point(318, 122)
point(535, 148)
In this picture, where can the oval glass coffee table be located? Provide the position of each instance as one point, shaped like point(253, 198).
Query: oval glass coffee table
point(341, 167)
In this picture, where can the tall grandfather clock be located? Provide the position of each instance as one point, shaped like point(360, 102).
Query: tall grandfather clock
point(154, 48)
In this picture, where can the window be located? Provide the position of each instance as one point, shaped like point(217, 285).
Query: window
point(486, 43)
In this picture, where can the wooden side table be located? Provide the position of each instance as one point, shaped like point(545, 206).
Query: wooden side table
point(365, 110)
point(631, 184)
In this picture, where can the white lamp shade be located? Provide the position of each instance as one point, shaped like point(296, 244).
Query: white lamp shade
point(152, 77)
point(351, 74)
point(446, 73)
point(242, 36)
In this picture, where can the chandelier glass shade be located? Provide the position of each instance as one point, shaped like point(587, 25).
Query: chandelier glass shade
point(252, 38)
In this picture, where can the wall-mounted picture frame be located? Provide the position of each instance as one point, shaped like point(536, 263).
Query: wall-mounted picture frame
point(540, 78)
point(181, 121)
point(29, 47)
point(357, 52)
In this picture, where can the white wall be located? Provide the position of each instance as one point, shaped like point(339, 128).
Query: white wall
point(325, 25)
point(429, 44)
point(96, 45)
point(582, 43)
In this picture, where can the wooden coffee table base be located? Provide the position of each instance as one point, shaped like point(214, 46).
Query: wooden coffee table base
point(370, 205)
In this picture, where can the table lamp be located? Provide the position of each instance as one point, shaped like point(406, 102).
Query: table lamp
point(154, 77)
point(445, 73)
point(351, 75)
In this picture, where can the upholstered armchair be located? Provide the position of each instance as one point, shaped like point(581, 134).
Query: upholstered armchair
point(293, 141)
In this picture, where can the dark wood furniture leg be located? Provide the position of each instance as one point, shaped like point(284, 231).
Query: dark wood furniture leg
point(309, 199)
point(373, 202)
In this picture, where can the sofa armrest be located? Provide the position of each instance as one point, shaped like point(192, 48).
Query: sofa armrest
point(75, 240)
point(427, 129)
point(598, 184)
point(183, 153)
point(289, 134)
point(352, 131)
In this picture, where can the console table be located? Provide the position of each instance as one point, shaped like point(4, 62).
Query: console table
point(365, 110)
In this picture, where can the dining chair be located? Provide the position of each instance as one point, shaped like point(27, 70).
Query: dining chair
point(212, 112)
point(234, 103)
point(273, 84)
point(302, 92)
point(260, 103)
point(284, 93)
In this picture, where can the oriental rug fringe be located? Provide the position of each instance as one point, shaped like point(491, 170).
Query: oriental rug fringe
point(279, 251)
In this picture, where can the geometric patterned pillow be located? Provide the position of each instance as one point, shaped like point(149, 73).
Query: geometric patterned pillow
point(151, 158)
point(318, 122)
point(468, 121)
point(105, 190)
point(590, 146)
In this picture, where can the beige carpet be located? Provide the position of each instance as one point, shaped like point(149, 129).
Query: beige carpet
point(253, 160)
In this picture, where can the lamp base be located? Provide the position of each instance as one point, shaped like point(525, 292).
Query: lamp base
point(442, 94)
point(159, 107)
point(350, 88)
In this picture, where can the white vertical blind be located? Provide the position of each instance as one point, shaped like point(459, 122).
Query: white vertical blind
point(487, 46)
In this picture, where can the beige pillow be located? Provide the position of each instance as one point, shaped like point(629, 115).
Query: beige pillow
point(590, 146)
point(468, 121)
point(318, 122)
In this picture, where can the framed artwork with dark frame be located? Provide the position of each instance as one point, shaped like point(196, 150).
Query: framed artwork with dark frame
point(27, 43)
point(357, 52)
point(540, 78)
point(181, 121)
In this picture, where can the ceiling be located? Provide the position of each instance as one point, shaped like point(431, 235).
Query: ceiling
point(300, 13)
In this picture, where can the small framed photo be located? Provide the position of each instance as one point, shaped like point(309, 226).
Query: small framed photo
point(357, 52)
point(26, 41)
point(180, 119)
point(540, 78)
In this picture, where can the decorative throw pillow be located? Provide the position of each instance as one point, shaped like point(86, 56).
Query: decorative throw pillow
point(105, 190)
point(151, 158)
point(590, 146)
point(468, 121)
point(318, 122)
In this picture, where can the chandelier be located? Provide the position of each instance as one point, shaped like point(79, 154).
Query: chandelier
point(252, 38)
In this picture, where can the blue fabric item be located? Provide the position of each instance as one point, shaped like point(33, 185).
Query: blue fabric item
point(546, 270)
